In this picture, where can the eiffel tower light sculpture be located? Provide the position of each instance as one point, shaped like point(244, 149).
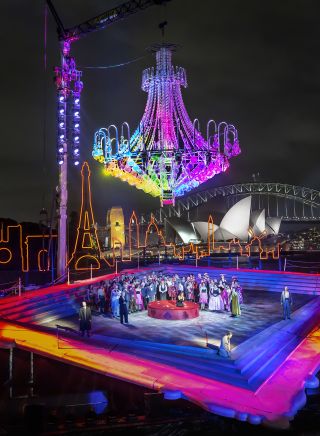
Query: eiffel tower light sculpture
point(166, 156)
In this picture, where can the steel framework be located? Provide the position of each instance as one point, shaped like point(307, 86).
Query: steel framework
point(298, 203)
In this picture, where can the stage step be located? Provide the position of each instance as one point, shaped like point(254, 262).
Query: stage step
point(260, 355)
point(260, 280)
point(38, 308)
point(204, 361)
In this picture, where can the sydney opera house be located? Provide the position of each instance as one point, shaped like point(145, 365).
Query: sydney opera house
point(240, 222)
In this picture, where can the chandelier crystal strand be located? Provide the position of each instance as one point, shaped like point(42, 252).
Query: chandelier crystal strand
point(166, 156)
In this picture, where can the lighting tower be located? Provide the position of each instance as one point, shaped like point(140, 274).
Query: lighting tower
point(69, 86)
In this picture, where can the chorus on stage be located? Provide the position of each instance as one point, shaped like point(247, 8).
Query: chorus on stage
point(212, 293)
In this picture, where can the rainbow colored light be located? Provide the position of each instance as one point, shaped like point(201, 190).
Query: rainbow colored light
point(166, 156)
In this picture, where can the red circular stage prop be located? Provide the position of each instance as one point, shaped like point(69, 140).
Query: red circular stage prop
point(168, 310)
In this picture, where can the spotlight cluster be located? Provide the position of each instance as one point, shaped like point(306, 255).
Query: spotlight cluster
point(69, 87)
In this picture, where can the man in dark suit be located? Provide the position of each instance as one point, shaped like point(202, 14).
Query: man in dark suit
point(123, 307)
point(85, 319)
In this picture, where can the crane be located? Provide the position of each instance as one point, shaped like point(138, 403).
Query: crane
point(69, 86)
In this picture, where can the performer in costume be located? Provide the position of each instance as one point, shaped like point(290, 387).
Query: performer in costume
point(139, 298)
point(235, 285)
point(180, 299)
point(225, 346)
point(189, 290)
point(235, 306)
point(153, 290)
point(115, 294)
point(222, 282)
point(286, 303)
point(133, 301)
point(85, 319)
point(203, 300)
point(163, 290)
point(226, 297)
point(215, 300)
point(123, 307)
point(172, 291)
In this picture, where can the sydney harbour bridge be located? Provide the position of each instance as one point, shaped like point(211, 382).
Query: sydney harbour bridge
point(290, 202)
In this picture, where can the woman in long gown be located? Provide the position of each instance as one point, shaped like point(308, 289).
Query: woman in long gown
point(235, 306)
point(235, 285)
point(215, 300)
point(139, 301)
point(203, 292)
point(225, 295)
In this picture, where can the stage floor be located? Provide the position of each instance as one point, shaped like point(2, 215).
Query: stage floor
point(271, 364)
point(260, 310)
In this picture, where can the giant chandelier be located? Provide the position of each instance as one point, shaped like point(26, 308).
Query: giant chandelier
point(166, 156)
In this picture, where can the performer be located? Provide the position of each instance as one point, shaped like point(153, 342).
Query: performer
point(226, 297)
point(132, 300)
point(139, 298)
point(225, 346)
point(123, 307)
point(115, 294)
point(203, 295)
point(235, 306)
point(286, 303)
point(101, 298)
point(85, 319)
point(189, 290)
point(153, 290)
point(215, 300)
point(145, 291)
point(163, 290)
point(172, 292)
point(235, 285)
point(180, 299)
point(222, 282)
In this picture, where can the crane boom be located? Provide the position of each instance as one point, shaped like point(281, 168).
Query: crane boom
point(103, 20)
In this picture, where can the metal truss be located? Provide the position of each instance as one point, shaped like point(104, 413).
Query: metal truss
point(307, 197)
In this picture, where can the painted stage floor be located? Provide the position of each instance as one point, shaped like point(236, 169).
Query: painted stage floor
point(264, 381)
point(260, 310)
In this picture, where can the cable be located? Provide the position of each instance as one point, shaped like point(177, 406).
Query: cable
point(44, 133)
point(106, 67)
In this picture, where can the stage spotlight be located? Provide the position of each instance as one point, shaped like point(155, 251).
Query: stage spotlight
point(61, 125)
point(76, 162)
point(60, 161)
point(60, 149)
point(61, 136)
point(76, 114)
point(77, 125)
point(76, 139)
point(77, 101)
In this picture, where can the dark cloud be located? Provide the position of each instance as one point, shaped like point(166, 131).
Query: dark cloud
point(251, 63)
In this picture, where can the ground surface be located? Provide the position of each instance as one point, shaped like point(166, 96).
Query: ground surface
point(260, 310)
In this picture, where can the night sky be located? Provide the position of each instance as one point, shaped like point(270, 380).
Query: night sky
point(254, 64)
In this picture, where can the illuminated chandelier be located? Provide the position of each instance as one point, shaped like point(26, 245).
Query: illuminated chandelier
point(166, 156)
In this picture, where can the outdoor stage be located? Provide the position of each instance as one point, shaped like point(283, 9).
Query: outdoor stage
point(264, 381)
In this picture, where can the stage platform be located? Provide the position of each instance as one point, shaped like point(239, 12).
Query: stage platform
point(168, 310)
point(264, 381)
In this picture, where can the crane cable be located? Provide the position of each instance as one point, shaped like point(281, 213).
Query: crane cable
point(106, 67)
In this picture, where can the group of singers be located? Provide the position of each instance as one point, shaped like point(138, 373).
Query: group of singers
point(136, 291)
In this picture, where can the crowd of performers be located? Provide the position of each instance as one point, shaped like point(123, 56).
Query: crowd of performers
point(136, 291)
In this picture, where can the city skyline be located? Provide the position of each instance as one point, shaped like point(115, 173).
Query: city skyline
point(255, 67)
